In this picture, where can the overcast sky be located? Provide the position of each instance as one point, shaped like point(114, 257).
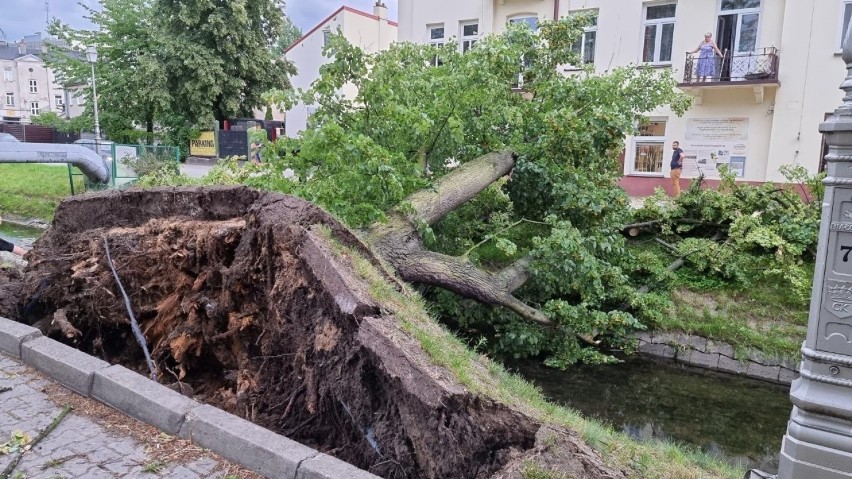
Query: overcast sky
point(23, 17)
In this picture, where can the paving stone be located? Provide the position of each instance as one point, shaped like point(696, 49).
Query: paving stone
point(80, 447)
point(181, 472)
point(761, 371)
point(657, 350)
point(731, 365)
point(701, 359)
point(720, 347)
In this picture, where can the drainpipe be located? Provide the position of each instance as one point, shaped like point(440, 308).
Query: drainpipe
point(555, 10)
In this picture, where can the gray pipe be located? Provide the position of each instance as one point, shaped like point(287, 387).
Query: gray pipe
point(89, 162)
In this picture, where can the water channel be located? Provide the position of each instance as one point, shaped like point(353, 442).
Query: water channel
point(22, 236)
point(737, 419)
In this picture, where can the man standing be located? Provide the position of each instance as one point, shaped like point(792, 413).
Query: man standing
point(677, 166)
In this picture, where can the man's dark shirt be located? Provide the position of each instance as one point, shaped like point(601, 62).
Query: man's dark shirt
point(676, 158)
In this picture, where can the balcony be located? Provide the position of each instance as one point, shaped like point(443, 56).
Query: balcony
point(755, 70)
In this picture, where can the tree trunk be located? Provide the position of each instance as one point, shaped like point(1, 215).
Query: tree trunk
point(399, 243)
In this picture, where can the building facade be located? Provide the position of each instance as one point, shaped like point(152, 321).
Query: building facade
point(28, 86)
point(371, 32)
point(756, 108)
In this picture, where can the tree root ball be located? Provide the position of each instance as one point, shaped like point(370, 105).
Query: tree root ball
point(246, 304)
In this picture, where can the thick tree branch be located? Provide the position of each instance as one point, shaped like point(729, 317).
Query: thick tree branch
point(458, 187)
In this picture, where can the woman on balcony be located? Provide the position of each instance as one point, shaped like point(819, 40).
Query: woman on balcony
point(707, 58)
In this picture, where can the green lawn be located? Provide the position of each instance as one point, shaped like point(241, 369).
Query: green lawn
point(34, 191)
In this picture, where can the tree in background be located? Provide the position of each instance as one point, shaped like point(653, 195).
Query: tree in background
point(65, 125)
point(218, 56)
point(173, 66)
point(290, 33)
point(132, 88)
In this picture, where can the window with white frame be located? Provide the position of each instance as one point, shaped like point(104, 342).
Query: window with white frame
point(7, 74)
point(469, 35)
point(33, 86)
point(844, 27)
point(649, 146)
point(326, 36)
point(58, 102)
point(585, 45)
point(34, 108)
point(659, 21)
point(435, 34)
point(10, 98)
point(529, 20)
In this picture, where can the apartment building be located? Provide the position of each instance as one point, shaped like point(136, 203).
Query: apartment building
point(371, 32)
point(756, 108)
point(28, 86)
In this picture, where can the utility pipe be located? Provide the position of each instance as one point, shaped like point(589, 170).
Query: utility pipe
point(89, 162)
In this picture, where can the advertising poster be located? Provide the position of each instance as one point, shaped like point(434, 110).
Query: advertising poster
point(712, 142)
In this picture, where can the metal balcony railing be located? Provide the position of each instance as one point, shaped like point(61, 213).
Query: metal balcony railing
point(752, 67)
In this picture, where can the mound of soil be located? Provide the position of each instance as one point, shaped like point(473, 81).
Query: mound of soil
point(246, 305)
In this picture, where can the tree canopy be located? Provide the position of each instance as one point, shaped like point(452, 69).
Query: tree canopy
point(175, 64)
point(219, 57)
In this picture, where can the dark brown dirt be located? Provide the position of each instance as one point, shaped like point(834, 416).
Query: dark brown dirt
point(241, 297)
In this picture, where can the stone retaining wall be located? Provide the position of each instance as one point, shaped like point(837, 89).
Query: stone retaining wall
point(708, 354)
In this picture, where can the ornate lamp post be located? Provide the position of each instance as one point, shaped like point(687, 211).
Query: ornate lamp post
point(818, 443)
point(92, 57)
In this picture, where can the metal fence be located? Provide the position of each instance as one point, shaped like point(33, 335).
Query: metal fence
point(126, 162)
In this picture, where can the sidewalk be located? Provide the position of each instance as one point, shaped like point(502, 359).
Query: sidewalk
point(94, 441)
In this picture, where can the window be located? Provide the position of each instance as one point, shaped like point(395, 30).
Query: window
point(34, 108)
point(738, 25)
point(649, 146)
point(585, 45)
point(469, 35)
point(33, 86)
point(528, 20)
point(10, 98)
point(659, 33)
point(847, 14)
point(7, 74)
point(435, 34)
point(58, 102)
point(326, 36)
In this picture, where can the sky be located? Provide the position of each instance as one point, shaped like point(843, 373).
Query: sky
point(24, 17)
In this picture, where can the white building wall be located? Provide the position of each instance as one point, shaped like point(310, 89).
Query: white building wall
point(783, 118)
point(361, 29)
point(811, 71)
point(24, 69)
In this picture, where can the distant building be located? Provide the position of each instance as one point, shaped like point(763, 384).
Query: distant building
point(371, 32)
point(28, 87)
point(755, 110)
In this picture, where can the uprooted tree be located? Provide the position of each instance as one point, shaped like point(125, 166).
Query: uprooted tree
point(491, 175)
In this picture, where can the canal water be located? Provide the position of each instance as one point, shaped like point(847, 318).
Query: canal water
point(737, 419)
point(22, 236)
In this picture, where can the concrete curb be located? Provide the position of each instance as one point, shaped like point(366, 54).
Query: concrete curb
point(233, 438)
point(708, 354)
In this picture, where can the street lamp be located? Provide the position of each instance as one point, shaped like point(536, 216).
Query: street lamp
point(92, 57)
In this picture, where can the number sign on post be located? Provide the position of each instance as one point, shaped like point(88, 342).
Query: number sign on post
point(818, 443)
